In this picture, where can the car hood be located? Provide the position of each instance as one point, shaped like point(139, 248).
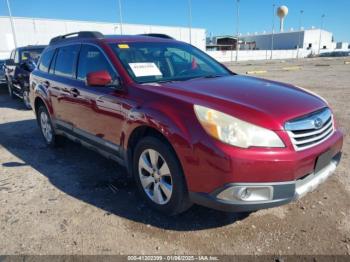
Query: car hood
point(263, 102)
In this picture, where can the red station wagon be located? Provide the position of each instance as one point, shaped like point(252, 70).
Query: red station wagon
point(188, 129)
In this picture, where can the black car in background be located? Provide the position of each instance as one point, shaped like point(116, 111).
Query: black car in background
point(22, 62)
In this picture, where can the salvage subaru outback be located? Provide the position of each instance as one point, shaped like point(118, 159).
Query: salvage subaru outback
point(188, 129)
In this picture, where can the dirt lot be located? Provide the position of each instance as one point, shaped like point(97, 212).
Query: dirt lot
point(73, 201)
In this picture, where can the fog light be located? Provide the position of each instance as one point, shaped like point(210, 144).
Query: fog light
point(247, 193)
point(244, 194)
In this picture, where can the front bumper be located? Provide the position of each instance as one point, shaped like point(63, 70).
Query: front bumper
point(281, 192)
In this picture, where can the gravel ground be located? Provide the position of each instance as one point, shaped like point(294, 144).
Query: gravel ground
point(73, 201)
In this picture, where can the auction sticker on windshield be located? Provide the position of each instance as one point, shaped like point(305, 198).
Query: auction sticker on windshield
point(145, 69)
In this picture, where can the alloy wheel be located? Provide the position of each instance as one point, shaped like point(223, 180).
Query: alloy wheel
point(46, 127)
point(155, 176)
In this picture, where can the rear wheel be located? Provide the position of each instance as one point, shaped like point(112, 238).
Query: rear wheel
point(46, 127)
point(26, 99)
point(159, 176)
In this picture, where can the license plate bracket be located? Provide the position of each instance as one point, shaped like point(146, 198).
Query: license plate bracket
point(323, 160)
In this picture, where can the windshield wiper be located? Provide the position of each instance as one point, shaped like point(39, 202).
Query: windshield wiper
point(165, 81)
point(159, 82)
point(211, 76)
point(183, 79)
point(205, 76)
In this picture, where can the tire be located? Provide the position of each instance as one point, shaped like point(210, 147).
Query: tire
point(26, 99)
point(10, 89)
point(46, 128)
point(160, 182)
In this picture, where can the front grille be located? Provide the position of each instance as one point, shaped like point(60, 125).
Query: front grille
point(310, 130)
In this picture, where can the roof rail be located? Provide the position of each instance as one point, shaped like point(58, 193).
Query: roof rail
point(158, 35)
point(81, 34)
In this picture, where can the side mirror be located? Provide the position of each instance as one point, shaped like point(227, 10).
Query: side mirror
point(9, 62)
point(28, 65)
point(102, 78)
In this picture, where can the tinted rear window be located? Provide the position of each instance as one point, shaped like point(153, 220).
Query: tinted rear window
point(66, 60)
point(46, 60)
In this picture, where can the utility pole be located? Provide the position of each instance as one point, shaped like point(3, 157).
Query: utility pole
point(237, 31)
point(120, 17)
point(319, 41)
point(12, 24)
point(301, 14)
point(190, 19)
point(273, 28)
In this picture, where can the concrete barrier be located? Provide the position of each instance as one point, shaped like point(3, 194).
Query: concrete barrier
point(256, 72)
point(291, 68)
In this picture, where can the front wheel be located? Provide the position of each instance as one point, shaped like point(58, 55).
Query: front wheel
point(159, 176)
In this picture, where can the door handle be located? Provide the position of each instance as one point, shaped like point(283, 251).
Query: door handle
point(75, 92)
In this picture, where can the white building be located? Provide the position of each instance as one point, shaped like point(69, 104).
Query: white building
point(306, 39)
point(34, 31)
point(342, 46)
point(285, 45)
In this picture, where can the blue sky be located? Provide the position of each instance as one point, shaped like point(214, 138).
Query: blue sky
point(216, 16)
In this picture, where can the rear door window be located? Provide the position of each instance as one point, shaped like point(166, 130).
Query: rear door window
point(46, 60)
point(66, 61)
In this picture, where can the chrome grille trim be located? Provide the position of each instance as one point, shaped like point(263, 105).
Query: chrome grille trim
point(328, 125)
point(307, 122)
point(303, 132)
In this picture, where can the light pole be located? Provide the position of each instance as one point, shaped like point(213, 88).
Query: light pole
point(301, 14)
point(237, 31)
point(273, 28)
point(319, 40)
point(12, 24)
point(120, 16)
point(190, 19)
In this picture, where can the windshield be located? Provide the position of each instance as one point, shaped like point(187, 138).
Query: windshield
point(163, 61)
point(31, 54)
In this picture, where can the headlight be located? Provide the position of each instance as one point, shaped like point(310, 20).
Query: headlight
point(234, 131)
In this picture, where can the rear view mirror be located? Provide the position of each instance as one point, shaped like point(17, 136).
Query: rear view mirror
point(99, 78)
point(28, 65)
point(102, 78)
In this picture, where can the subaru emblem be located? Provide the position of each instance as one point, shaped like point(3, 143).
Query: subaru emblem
point(318, 123)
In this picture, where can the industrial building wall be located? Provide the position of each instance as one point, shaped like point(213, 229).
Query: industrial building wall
point(245, 55)
point(32, 31)
point(313, 37)
point(290, 40)
point(281, 41)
